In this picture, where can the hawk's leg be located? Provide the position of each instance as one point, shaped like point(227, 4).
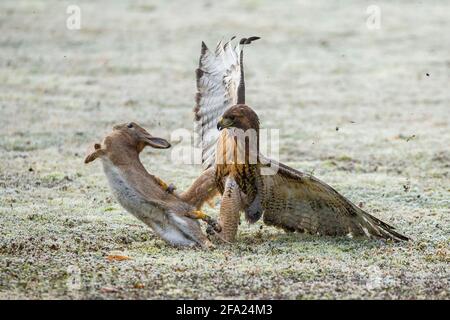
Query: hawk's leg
point(203, 189)
point(255, 210)
point(229, 210)
point(169, 188)
point(197, 214)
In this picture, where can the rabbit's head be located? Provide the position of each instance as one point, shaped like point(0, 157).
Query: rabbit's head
point(125, 139)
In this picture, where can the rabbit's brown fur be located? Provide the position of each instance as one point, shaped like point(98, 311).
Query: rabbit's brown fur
point(146, 196)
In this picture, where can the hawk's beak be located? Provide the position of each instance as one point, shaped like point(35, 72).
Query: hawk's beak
point(224, 123)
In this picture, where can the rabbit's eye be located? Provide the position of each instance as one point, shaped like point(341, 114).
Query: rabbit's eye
point(130, 125)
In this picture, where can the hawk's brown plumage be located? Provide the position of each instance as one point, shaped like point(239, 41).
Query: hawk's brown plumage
point(288, 199)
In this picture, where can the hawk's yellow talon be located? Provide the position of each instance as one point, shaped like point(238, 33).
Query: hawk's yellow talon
point(200, 215)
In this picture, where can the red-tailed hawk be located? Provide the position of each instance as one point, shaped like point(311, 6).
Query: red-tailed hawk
point(288, 199)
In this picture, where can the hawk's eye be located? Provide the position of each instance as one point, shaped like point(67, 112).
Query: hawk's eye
point(130, 125)
point(231, 117)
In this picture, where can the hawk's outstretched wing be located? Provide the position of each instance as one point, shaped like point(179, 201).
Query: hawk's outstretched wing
point(296, 201)
point(220, 85)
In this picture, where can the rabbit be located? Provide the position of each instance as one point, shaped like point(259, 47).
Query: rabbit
point(147, 197)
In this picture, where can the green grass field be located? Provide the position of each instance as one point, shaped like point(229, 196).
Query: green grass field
point(368, 111)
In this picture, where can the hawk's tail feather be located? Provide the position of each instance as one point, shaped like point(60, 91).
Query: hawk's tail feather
point(374, 227)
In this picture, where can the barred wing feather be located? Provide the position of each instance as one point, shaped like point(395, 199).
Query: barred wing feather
point(220, 85)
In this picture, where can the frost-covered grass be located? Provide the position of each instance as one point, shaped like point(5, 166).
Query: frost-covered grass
point(317, 68)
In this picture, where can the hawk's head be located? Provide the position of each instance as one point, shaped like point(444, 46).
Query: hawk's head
point(239, 116)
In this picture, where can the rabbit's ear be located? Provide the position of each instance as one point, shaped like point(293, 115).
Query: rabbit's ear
point(94, 152)
point(158, 143)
